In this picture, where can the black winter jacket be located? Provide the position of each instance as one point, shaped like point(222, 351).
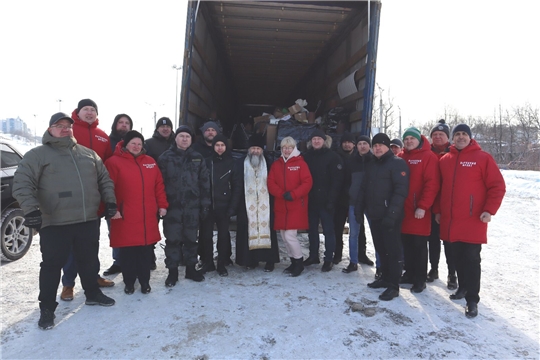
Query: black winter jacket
point(343, 196)
point(326, 169)
point(225, 181)
point(157, 145)
point(356, 167)
point(384, 188)
point(186, 179)
point(202, 148)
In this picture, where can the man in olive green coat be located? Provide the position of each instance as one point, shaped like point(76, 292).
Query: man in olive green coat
point(59, 186)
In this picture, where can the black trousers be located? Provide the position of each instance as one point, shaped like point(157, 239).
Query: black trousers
point(56, 242)
point(180, 228)
point(435, 248)
point(388, 244)
point(206, 234)
point(416, 256)
point(340, 217)
point(135, 262)
point(468, 268)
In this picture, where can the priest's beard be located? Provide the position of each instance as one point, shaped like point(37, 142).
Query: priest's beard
point(255, 160)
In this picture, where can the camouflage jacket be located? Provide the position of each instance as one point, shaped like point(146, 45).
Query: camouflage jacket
point(186, 178)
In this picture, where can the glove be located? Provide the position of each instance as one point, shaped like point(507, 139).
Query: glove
point(388, 223)
point(33, 220)
point(110, 210)
point(287, 196)
point(204, 213)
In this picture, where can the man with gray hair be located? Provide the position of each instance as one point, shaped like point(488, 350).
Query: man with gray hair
point(256, 240)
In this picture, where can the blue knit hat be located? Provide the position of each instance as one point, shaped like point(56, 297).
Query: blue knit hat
point(462, 127)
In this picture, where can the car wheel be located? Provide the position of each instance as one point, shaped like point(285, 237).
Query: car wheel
point(16, 238)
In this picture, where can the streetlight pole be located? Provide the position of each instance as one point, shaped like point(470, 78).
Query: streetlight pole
point(399, 135)
point(59, 105)
point(177, 68)
point(380, 109)
point(35, 130)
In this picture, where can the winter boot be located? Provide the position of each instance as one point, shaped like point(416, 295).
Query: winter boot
point(193, 274)
point(289, 268)
point(471, 310)
point(46, 320)
point(363, 259)
point(459, 294)
point(221, 270)
point(351, 268)
point(452, 282)
point(432, 275)
point(298, 267)
point(172, 279)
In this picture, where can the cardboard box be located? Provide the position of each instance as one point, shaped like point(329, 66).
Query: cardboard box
point(295, 109)
point(261, 118)
point(302, 117)
point(271, 134)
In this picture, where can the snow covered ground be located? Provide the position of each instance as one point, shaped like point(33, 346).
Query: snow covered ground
point(252, 314)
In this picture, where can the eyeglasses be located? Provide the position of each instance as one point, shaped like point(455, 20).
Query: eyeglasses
point(62, 127)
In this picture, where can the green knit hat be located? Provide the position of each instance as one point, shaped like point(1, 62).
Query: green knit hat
point(412, 131)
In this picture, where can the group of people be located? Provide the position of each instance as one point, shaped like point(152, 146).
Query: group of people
point(81, 174)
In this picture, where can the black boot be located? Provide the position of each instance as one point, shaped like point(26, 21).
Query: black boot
point(432, 275)
point(172, 279)
point(459, 294)
point(289, 268)
point(298, 267)
point(351, 268)
point(311, 261)
point(193, 274)
point(363, 259)
point(207, 266)
point(452, 282)
point(471, 310)
point(222, 271)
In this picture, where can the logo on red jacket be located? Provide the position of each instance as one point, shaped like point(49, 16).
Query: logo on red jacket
point(467, 163)
point(149, 166)
point(102, 139)
point(293, 168)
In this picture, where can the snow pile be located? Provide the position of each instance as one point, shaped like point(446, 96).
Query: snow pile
point(252, 314)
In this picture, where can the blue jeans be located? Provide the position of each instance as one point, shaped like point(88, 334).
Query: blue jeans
point(327, 221)
point(354, 230)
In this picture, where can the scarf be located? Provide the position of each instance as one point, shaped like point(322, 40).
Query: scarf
point(257, 205)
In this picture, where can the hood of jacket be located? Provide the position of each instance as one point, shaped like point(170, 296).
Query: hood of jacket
point(79, 122)
point(66, 141)
point(294, 154)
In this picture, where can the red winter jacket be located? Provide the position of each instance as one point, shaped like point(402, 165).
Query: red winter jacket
point(91, 136)
point(471, 184)
point(424, 185)
point(294, 176)
point(139, 190)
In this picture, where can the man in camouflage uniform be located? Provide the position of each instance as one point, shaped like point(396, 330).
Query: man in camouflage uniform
point(187, 184)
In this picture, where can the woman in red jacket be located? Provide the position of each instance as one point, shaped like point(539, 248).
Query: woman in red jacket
point(140, 196)
point(289, 181)
point(472, 191)
point(424, 184)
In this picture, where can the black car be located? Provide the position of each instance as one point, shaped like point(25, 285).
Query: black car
point(16, 238)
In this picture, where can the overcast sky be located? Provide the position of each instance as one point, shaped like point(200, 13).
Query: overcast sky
point(465, 55)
